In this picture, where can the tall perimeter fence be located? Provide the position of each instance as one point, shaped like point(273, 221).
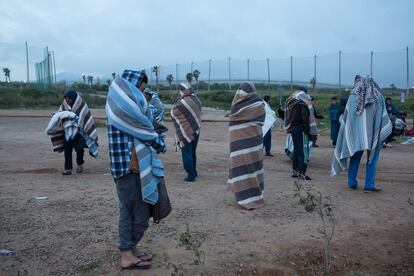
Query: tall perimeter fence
point(335, 71)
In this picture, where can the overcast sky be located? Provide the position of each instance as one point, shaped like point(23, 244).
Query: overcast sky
point(100, 37)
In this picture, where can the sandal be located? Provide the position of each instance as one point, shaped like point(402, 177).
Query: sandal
point(146, 257)
point(140, 264)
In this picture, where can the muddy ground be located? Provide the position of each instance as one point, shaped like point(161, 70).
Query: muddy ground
point(74, 231)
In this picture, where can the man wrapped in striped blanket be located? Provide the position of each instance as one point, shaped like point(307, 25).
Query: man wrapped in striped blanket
point(73, 127)
point(365, 125)
point(247, 116)
point(186, 116)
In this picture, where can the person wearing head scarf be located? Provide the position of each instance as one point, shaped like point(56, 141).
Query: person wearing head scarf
point(135, 167)
point(365, 125)
point(300, 124)
point(186, 116)
point(157, 107)
point(73, 128)
point(246, 171)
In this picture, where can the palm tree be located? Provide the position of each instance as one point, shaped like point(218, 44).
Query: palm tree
point(84, 78)
point(6, 72)
point(113, 75)
point(155, 69)
point(170, 79)
point(90, 80)
point(196, 74)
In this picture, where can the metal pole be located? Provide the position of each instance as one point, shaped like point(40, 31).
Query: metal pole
point(192, 67)
point(408, 74)
point(54, 64)
point(291, 74)
point(248, 69)
point(372, 53)
point(229, 75)
point(209, 74)
point(314, 75)
point(268, 73)
point(27, 62)
point(339, 74)
point(176, 76)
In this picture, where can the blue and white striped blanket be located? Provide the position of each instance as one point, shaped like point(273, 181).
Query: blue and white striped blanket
point(128, 111)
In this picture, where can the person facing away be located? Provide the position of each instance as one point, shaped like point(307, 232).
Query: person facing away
point(300, 122)
point(268, 125)
point(317, 115)
point(365, 125)
point(186, 116)
point(72, 128)
point(246, 171)
point(334, 119)
point(135, 167)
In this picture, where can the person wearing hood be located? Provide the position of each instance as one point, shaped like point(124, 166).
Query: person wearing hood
point(157, 107)
point(365, 125)
point(186, 116)
point(73, 128)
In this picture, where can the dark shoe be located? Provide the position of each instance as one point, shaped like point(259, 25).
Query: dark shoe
point(373, 190)
point(315, 145)
point(352, 188)
point(294, 175)
point(269, 154)
point(305, 177)
point(67, 172)
point(189, 179)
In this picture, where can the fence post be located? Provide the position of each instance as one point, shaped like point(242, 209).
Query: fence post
point(372, 54)
point(209, 74)
point(192, 63)
point(27, 63)
point(268, 73)
point(229, 75)
point(176, 76)
point(248, 69)
point(291, 74)
point(54, 67)
point(408, 73)
point(314, 75)
point(339, 74)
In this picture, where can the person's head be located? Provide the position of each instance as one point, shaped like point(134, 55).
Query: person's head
point(334, 100)
point(189, 77)
point(267, 99)
point(357, 78)
point(314, 100)
point(148, 94)
point(388, 100)
point(303, 88)
point(137, 78)
point(70, 96)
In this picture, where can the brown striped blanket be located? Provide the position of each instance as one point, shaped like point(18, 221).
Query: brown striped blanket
point(246, 147)
point(186, 115)
point(85, 123)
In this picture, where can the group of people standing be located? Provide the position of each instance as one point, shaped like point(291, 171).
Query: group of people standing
point(136, 138)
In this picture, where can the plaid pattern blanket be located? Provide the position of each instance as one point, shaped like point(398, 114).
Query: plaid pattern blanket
point(186, 115)
point(128, 111)
point(291, 102)
point(361, 129)
point(83, 122)
point(246, 147)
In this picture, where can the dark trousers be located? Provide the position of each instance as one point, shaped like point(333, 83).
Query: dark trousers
point(267, 142)
point(299, 164)
point(189, 155)
point(77, 143)
point(134, 214)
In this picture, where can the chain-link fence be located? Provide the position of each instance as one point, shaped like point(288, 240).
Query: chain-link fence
point(335, 71)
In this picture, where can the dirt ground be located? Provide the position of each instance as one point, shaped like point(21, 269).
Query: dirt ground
point(74, 231)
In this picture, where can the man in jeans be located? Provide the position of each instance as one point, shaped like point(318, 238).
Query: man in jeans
point(135, 167)
point(186, 115)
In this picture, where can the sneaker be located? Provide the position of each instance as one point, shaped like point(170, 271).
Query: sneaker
point(305, 177)
point(352, 188)
point(189, 179)
point(373, 190)
point(269, 154)
point(315, 145)
point(67, 172)
point(79, 169)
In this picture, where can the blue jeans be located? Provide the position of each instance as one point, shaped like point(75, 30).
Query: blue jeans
point(370, 171)
point(133, 212)
point(189, 155)
point(267, 141)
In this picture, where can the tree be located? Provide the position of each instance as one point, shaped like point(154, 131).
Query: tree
point(170, 79)
point(113, 75)
point(84, 78)
point(196, 74)
point(90, 80)
point(6, 72)
point(156, 70)
point(189, 77)
point(392, 86)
